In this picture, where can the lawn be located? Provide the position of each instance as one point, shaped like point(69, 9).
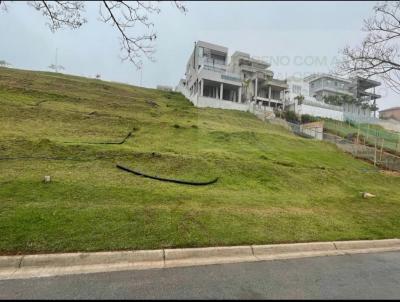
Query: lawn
point(273, 187)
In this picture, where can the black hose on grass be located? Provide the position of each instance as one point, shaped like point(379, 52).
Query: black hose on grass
point(104, 143)
point(168, 179)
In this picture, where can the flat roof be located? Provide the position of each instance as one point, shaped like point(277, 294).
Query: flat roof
point(316, 76)
point(243, 56)
point(212, 46)
point(366, 93)
point(390, 109)
point(365, 83)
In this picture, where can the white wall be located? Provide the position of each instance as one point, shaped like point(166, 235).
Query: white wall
point(203, 101)
point(321, 112)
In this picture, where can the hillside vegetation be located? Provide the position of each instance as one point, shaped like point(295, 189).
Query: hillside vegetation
point(273, 186)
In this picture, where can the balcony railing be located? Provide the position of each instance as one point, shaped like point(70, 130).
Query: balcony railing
point(212, 61)
point(214, 68)
point(223, 73)
point(268, 100)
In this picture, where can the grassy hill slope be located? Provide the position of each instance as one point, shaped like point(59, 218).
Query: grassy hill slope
point(274, 187)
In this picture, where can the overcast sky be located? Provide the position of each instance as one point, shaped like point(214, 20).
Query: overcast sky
point(297, 38)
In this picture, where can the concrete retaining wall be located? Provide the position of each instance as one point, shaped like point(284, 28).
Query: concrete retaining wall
point(202, 102)
point(321, 112)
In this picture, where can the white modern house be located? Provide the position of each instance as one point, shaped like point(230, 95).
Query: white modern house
point(316, 87)
point(259, 86)
point(248, 84)
point(244, 83)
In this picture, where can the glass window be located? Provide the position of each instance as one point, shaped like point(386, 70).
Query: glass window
point(296, 89)
point(201, 51)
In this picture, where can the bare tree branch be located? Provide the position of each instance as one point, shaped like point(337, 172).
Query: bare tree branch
point(378, 54)
point(131, 18)
point(61, 13)
point(125, 16)
point(3, 6)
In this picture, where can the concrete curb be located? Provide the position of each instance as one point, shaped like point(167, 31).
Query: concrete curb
point(209, 255)
point(28, 266)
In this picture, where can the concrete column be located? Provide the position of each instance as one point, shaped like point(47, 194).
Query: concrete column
point(256, 89)
point(269, 92)
point(240, 94)
point(374, 105)
point(202, 87)
point(221, 91)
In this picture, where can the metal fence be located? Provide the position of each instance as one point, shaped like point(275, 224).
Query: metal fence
point(309, 132)
point(374, 154)
point(371, 147)
point(366, 134)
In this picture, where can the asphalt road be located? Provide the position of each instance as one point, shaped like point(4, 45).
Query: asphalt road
point(363, 276)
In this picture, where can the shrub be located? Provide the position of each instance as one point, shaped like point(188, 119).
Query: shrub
point(351, 123)
point(306, 118)
point(290, 116)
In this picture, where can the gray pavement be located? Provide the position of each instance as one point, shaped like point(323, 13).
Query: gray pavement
point(358, 276)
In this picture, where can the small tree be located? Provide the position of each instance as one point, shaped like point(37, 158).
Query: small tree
point(98, 76)
point(4, 63)
point(348, 99)
point(373, 108)
point(300, 100)
point(56, 68)
point(246, 84)
point(335, 100)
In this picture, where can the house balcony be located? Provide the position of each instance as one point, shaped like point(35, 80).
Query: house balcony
point(368, 95)
point(331, 89)
point(219, 74)
point(263, 99)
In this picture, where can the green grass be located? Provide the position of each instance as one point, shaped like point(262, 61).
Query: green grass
point(390, 139)
point(274, 187)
